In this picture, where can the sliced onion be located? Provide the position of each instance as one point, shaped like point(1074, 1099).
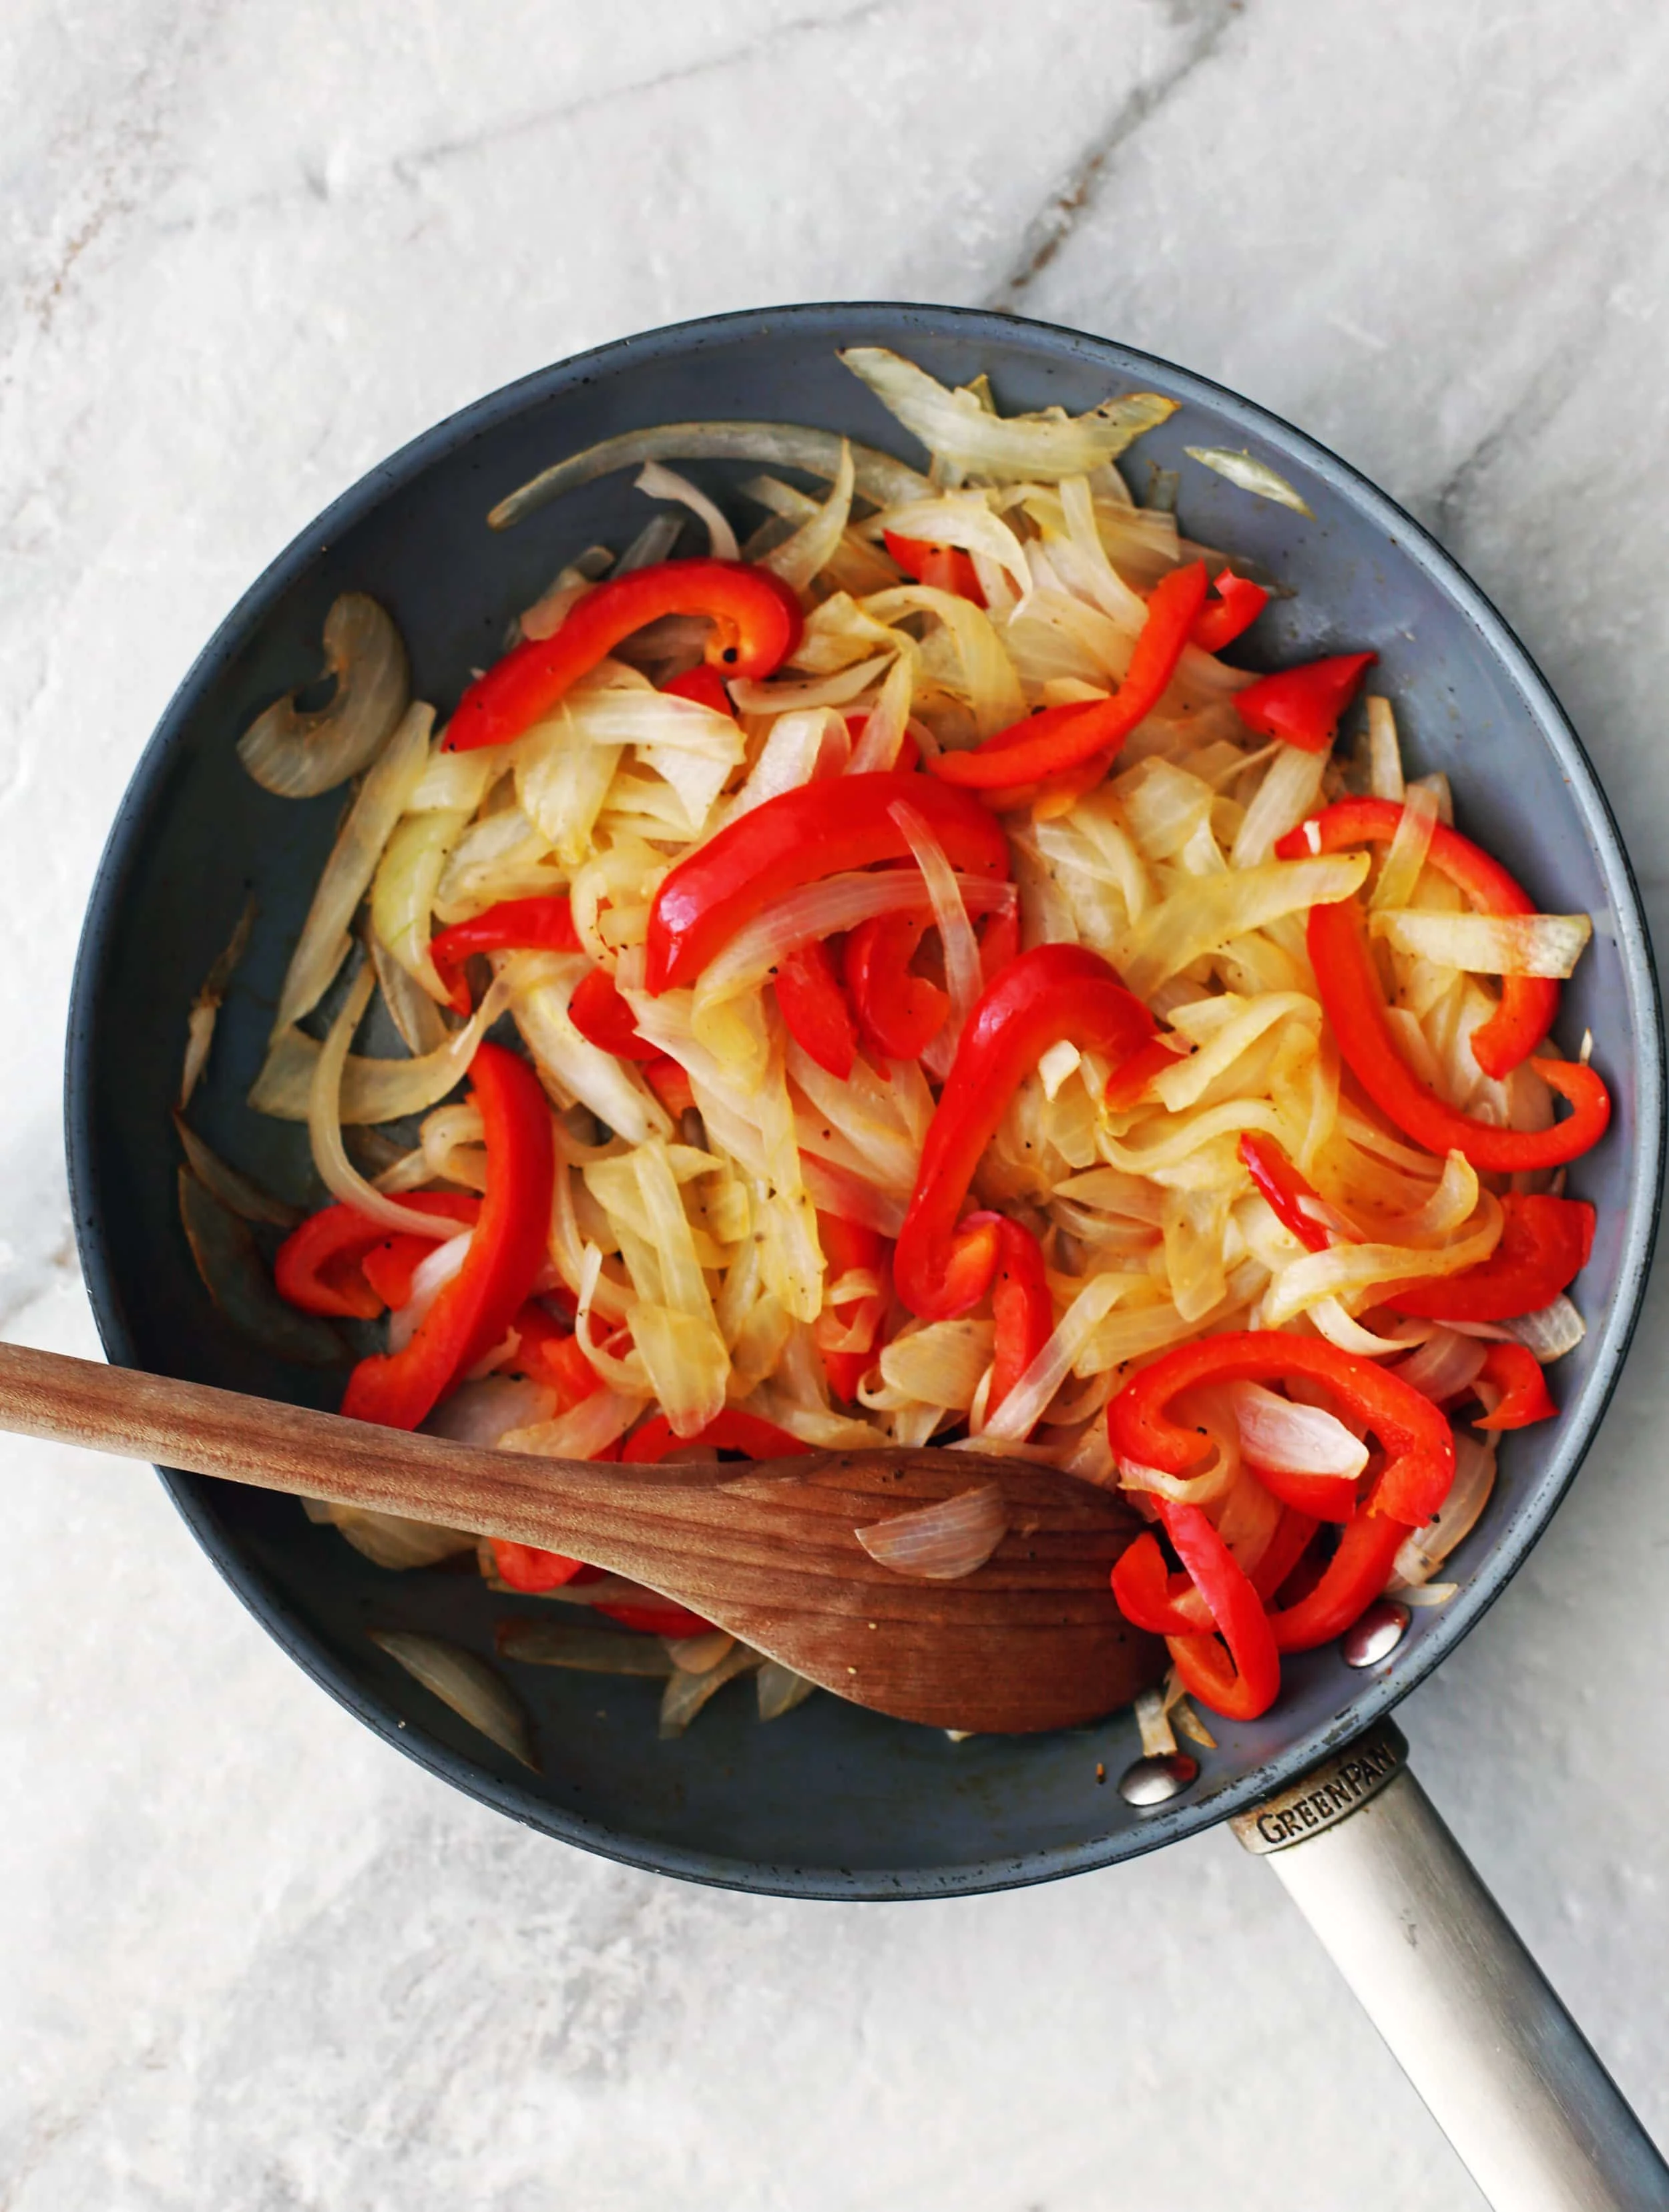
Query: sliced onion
point(1295, 1439)
point(1423, 1550)
point(206, 1007)
point(1029, 1400)
point(1158, 1740)
point(877, 748)
point(485, 1412)
point(239, 1282)
point(1043, 446)
point(660, 483)
point(961, 946)
point(963, 518)
point(652, 543)
point(1290, 788)
point(822, 910)
point(1446, 1363)
point(1207, 914)
point(685, 1694)
point(694, 1654)
point(388, 1539)
point(1489, 943)
point(943, 1542)
point(422, 1028)
point(801, 747)
point(988, 678)
point(939, 1363)
point(1300, 1286)
point(813, 545)
point(1383, 752)
point(1342, 1329)
point(880, 479)
point(588, 1650)
point(1552, 1331)
point(298, 755)
point(584, 1432)
point(372, 1089)
point(1247, 473)
point(1405, 856)
point(346, 876)
point(430, 1275)
point(781, 1690)
point(782, 697)
point(539, 985)
point(464, 1683)
point(225, 1184)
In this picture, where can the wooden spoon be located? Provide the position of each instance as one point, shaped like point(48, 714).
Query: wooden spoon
point(1030, 1640)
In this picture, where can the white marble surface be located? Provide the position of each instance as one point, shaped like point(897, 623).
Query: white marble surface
point(252, 1958)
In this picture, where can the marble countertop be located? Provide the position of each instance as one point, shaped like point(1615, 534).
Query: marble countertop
point(254, 1957)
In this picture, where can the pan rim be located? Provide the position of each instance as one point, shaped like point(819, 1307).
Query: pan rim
point(194, 1497)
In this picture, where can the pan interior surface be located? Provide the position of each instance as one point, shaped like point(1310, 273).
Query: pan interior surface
point(829, 1800)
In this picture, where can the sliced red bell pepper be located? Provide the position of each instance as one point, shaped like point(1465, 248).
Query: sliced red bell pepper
point(1517, 1374)
point(473, 1311)
point(899, 1012)
point(945, 568)
point(671, 1085)
point(544, 925)
point(1347, 983)
point(849, 1246)
point(909, 754)
point(999, 942)
point(731, 1430)
point(1301, 706)
point(1291, 1197)
point(1358, 1571)
point(390, 1265)
point(814, 1007)
point(1066, 737)
point(525, 1567)
point(1544, 1244)
point(756, 625)
point(1238, 604)
point(1052, 992)
point(1418, 1443)
point(1285, 1548)
point(705, 686)
point(602, 1016)
point(1163, 1604)
point(1022, 1306)
point(319, 1266)
point(1529, 1004)
point(1244, 1680)
point(1132, 1080)
point(798, 838)
point(1323, 1497)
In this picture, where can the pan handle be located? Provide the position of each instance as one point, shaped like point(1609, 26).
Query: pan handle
point(1475, 2026)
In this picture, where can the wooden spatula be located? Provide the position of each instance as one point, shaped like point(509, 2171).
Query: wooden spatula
point(1030, 1640)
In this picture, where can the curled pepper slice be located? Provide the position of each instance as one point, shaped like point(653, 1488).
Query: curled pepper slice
point(1301, 706)
point(899, 1012)
point(1347, 984)
point(1052, 991)
point(1238, 604)
point(1544, 1244)
point(1517, 1374)
point(1243, 1681)
point(756, 625)
point(473, 1312)
point(1358, 1571)
point(319, 1266)
point(814, 1007)
point(731, 1430)
point(1066, 737)
point(1021, 1306)
point(1415, 1436)
point(522, 924)
point(603, 1018)
point(797, 838)
point(1529, 1004)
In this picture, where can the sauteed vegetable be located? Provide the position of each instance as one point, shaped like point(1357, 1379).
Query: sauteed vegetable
point(953, 1003)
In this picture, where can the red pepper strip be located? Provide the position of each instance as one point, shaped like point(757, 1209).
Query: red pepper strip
point(848, 1245)
point(1065, 737)
point(1529, 1004)
point(705, 686)
point(1238, 604)
point(909, 754)
point(1244, 1681)
point(389, 1264)
point(945, 568)
point(1544, 1244)
point(1289, 1195)
point(1151, 1598)
point(602, 1016)
point(1285, 1548)
point(814, 1007)
point(471, 1312)
point(525, 1567)
point(1051, 993)
point(730, 1430)
point(797, 838)
point(1347, 984)
point(900, 1013)
point(999, 942)
point(1022, 1305)
point(1349, 1583)
point(1516, 1372)
point(1302, 705)
point(671, 1085)
point(1416, 1437)
point(756, 625)
point(1323, 1496)
point(1133, 1079)
point(321, 1265)
point(543, 925)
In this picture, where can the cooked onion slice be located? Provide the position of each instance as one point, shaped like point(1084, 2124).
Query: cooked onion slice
point(465, 1683)
point(780, 1690)
point(228, 1186)
point(1042, 448)
point(388, 1539)
point(1424, 1550)
point(205, 1007)
point(686, 1694)
point(1246, 472)
point(943, 1542)
point(238, 1279)
point(880, 479)
point(297, 756)
point(1552, 1331)
point(1295, 1439)
point(1446, 1363)
point(1489, 943)
point(660, 483)
point(589, 1650)
point(821, 911)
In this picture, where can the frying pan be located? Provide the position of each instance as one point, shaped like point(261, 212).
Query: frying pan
point(833, 1802)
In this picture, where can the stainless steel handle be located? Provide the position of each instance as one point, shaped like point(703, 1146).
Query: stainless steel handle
point(1471, 2018)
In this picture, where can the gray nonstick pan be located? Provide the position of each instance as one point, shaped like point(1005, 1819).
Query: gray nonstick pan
point(836, 1802)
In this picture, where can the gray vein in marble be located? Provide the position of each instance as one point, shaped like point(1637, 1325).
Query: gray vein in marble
point(1066, 206)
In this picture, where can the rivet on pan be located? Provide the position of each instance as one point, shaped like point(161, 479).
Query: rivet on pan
point(1153, 1781)
point(1376, 1635)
